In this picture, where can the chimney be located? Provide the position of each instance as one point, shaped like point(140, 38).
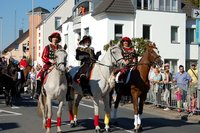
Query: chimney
point(20, 32)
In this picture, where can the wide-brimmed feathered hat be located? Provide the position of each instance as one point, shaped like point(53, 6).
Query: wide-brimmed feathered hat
point(55, 35)
point(84, 38)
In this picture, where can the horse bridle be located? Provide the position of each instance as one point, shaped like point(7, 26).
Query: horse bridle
point(117, 61)
point(151, 62)
point(60, 63)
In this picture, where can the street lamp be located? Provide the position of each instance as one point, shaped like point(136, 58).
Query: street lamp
point(32, 32)
point(1, 18)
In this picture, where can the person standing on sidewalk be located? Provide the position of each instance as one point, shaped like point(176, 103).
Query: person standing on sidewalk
point(193, 72)
point(167, 85)
point(182, 79)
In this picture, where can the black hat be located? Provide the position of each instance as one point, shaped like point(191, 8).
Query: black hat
point(84, 38)
point(55, 34)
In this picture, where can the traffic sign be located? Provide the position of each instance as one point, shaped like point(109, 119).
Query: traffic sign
point(196, 13)
point(198, 31)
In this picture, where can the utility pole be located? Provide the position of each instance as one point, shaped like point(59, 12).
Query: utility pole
point(32, 32)
point(1, 18)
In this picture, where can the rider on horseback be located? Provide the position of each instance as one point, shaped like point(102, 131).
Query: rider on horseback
point(130, 59)
point(23, 63)
point(85, 54)
point(48, 59)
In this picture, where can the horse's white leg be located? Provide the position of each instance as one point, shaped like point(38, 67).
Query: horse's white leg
point(49, 115)
point(59, 113)
point(135, 106)
point(96, 114)
point(42, 107)
point(107, 112)
point(77, 101)
point(70, 105)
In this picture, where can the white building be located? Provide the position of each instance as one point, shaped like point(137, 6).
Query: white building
point(51, 24)
point(161, 21)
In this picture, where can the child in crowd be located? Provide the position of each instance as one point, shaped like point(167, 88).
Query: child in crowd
point(193, 104)
point(178, 94)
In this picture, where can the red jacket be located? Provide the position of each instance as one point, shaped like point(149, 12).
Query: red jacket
point(46, 54)
point(23, 63)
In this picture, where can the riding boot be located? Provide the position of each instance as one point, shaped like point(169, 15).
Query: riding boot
point(118, 87)
point(84, 82)
point(38, 89)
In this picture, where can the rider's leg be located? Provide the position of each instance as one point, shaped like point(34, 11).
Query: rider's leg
point(39, 84)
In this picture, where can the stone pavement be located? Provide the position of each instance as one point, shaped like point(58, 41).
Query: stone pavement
point(170, 114)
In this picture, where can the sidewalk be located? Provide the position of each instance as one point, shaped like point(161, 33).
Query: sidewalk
point(170, 114)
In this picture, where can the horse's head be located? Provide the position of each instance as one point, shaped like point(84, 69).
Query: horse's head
point(116, 57)
point(153, 54)
point(61, 59)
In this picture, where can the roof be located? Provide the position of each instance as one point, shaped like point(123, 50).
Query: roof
point(114, 6)
point(187, 7)
point(18, 40)
point(40, 9)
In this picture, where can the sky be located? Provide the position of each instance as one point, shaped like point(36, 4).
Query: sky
point(13, 16)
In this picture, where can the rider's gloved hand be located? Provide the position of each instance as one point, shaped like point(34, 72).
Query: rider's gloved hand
point(52, 61)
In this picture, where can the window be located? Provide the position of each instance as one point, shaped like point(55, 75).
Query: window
point(174, 34)
point(174, 5)
point(145, 4)
point(57, 22)
point(167, 5)
point(118, 31)
point(190, 35)
point(39, 41)
point(38, 34)
point(86, 30)
point(139, 4)
point(76, 1)
point(146, 32)
point(162, 6)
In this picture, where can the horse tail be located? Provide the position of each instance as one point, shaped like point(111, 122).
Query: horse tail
point(41, 105)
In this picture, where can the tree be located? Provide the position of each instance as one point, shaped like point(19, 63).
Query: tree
point(195, 2)
point(138, 43)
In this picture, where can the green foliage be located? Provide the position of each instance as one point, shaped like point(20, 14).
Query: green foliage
point(195, 2)
point(138, 43)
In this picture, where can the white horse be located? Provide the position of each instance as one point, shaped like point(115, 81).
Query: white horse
point(55, 88)
point(100, 84)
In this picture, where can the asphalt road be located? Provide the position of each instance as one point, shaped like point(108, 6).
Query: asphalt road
point(23, 118)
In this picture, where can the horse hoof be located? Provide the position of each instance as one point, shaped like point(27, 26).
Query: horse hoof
point(59, 131)
point(135, 130)
point(72, 125)
point(108, 130)
point(98, 130)
point(140, 129)
point(75, 123)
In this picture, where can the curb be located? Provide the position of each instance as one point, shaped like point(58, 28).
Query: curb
point(170, 114)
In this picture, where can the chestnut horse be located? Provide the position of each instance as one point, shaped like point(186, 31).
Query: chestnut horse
point(138, 85)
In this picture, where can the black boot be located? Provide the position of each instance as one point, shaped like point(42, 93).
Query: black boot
point(118, 87)
point(84, 82)
point(38, 89)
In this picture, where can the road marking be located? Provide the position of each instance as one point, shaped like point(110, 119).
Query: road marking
point(10, 113)
point(85, 105)
point(15, 107)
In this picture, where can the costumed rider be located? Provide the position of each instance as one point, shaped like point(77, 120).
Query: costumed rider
point(48, 58)
point(86, 55)
point(23, 63)
point(130, 60)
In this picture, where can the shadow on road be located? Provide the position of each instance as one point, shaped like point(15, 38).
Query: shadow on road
point(7, 126)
